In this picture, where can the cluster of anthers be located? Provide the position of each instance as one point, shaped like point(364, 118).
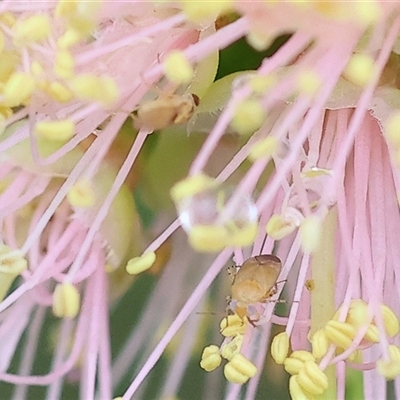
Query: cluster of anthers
point(343, 338)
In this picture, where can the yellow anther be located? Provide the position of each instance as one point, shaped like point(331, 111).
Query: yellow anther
point(260, 84)
point(198, 11)
point(309, 82)
point(59, 92)
point(390, 369)
point(2, 43)
point(208, 238)
point(239, 369)
point(140, 264)
point(66, 301)
point(228, 350)
point(372, 334)
point(319, 343)
point(36, 68)
point(33, 29)
point(280, 347)
point(390, 320)
point(64, 64)
point(101, 89)
point(264, 148)
point(82, 194)
point(191, 186)
point(210, 359)
point(360, 69)
point(310, 233)
point(312, 379)
point(278, 227)
point(18, 89)
point(178, 68)
point(367, 13)
point(392, 129)
point(259, 40)
point(248, 117)
point(296, 391)
point(340, 333)
point(243, 236)
point(296, 361)
point(55, 130)
point(69, 38)
point(233, 325)
point(8, 19)
point(12, 264)
point(65, 8)
point(6, 112)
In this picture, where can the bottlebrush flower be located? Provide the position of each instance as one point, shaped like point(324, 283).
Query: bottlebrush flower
point(305, 150)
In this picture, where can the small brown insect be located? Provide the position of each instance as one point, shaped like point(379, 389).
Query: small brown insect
point(166, 110)
point(255, 281)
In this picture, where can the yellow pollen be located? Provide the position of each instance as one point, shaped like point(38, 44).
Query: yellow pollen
point(233, 325)
point(1, 41)
point(69, 38)
point(140, 264)
point(82, 194)
point(367, 13)
point(12, 264)
point(64, 64)
point(208, 238)
point(280, 347)
point(18, 89)
point(248, 117)
point(296, 361)
point(198, 11)
point(65, 8)
point(296, 391)
point(210, 359)
point(372, 334)
point(390, 320)
point(312, 379)
point(239, 369)
point(340, 333)
point(8, 65)
point(278, 227)
point(8, 19)
point(191, 186)
point(360, 69)
point(59, 92)
point(261, 83)
point(33, 29)
point(259, 40)
point(55, 130)
point(319, 343)
point(264, 148)
point(310, 232)
point(390, 369)
point(178, 68)
point(89, 87)
point(229, 350)
point(243, 236)
point(36, 68)
point(66, 301)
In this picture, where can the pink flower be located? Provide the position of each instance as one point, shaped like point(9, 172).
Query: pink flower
point(303, 150)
